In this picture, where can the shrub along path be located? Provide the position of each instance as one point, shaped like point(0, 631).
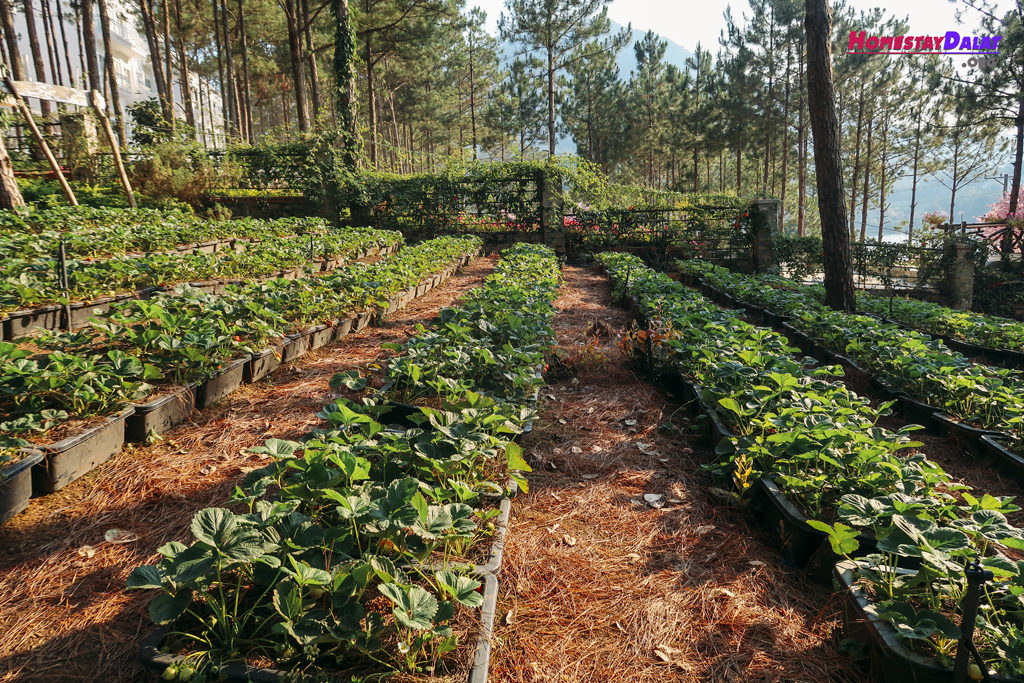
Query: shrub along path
point(599, 586)
point(63, 612)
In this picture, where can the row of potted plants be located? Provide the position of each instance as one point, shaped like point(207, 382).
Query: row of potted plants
point(360, 547)
point(36, 283)
point(74, 395)
point(906, 528)
point(32, 234)
point(998, 339)
point(905, 361)
point(994, 332)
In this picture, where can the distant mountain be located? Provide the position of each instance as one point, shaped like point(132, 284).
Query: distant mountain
point(674, 53)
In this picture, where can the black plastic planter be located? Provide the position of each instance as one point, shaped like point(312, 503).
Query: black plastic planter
point(889, 660)
point(715, 430)
point(918, 412)
point(221, 384)
point(343, 327)
point(261, 364)
point(800, 544)
point(320, 335)
point(859, 378)
point(799, 339)
point(296, 346)
point(362, 321)
point(1009, 461)
point(76, 455)
point(962, 434)
point(160, 415)
point(157, 660)
point(16, 484)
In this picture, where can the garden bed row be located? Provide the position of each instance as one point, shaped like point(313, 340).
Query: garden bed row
point(33, 234)
point(73, 456)
point(24, 323)
point(32, 295)
point(395, 519)
point(981, 406)
point(788, 426)
point(1000, 341)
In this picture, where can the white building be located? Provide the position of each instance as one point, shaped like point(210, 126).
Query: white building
point(133, 67)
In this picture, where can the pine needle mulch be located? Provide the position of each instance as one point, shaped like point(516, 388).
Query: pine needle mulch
point(599, 586)
point(63, 612)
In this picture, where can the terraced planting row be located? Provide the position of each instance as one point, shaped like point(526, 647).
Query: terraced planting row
point(30, 290)
point(999, 340)
point(142, 366)
point(369, 546)
point(926, 376)
point(32, 234)
point(789, 426)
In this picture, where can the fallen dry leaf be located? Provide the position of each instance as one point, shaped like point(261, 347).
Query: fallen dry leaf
point(87, 551)
point(568, 540)
point(120, 536)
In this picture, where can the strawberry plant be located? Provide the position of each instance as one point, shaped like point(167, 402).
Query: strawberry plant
point(823, 446)
point(352, 556)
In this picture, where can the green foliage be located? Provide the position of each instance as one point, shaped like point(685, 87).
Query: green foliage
point(148, 124)
point(181, 170)
point(352, 555)
point(822, 444)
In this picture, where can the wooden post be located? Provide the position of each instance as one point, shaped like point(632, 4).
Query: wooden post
point(118, 163)
point(41, 141)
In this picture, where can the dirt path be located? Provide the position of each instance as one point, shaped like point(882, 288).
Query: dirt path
point(63, 612)
point(597, 586)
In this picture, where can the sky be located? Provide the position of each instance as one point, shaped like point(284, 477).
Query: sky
point(687, 22)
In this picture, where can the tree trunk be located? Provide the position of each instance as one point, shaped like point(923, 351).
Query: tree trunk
point(867, 179)
point(219, 48)
point(314, 74)
point(183, 70)
point(295, 54)
point(1006, 244)
point(801, 149)
point(739, 163)
point(371, 100)
point(11, 37)
point(856, 160)
point(84, 73)
point(835, 234)
point(115, 96)
point(10, 194)
point(882, 174)
point(229, 70)
point(956, 171)
point(64, 40)
point(246, 85)
point(167, 57)
point(785, 142)
point(345, 80)
point(49, 34)
point(472, 100)
point(913, 184)
point(149, 25)
point(37, 54)
point(551, 101)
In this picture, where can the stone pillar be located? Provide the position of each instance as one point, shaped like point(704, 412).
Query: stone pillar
point(960, 276)
point(761, 248)
point(79, 143)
